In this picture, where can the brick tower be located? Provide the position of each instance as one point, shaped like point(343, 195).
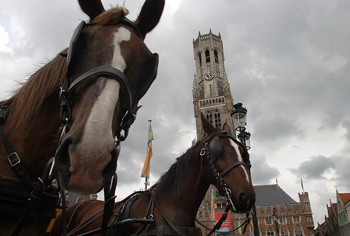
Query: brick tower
point(211, 90)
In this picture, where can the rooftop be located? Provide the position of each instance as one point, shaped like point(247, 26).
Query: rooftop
point(345, 197)
point(267, 195)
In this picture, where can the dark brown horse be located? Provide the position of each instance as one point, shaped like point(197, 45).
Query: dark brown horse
point(175, 199)
point(100, 79)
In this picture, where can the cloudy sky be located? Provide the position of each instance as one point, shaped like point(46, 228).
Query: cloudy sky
point(287, 62)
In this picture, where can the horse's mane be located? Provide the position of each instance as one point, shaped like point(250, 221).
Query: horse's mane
point(171, 181)
point(28, 99)
point(110, 17)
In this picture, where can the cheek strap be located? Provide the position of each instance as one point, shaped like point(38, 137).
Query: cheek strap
point(238, 163)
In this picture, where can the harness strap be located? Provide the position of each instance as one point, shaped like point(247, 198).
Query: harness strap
point(109, 190)
point(13, 157)
point(165, 218)
point(35, 197)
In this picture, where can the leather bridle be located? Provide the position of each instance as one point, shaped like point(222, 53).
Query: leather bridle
point(67, 86)
point(211, 150)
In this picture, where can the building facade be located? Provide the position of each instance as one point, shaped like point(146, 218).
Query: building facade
point(330, 226)
point(275, 210)
point(211, 90)
point(337, 223)
point(343, 208)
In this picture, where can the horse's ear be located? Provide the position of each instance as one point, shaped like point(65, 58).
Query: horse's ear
point(207, 126)
point(92, 8)
point(226, 128)
point(149, 16)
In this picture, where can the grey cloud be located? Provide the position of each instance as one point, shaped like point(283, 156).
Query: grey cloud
point(261, 171)
point(314, 168)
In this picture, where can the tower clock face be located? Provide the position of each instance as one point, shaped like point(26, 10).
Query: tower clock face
point(209, 76)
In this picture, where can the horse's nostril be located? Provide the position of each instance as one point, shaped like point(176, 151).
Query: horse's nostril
point(243, 198)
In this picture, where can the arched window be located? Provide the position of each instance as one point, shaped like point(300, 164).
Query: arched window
point(200, 58)
point(284, 230)
point(217, 120)
point(269, 231)
point(209, 117)
point(216, 56)
point(207, 56)
point(298, 231)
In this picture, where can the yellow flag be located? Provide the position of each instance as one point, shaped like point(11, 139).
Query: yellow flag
point(212, 209)
point(146, 166)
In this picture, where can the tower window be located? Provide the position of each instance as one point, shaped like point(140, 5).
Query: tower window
point(209, 117)
point(216, 56)
point(217, 120)
point(200, 58)
point(207, 56)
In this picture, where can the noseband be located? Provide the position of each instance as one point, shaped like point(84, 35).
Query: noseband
point(113, 73)
point(211, 150)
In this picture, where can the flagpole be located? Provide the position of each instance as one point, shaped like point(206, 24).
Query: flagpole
point(149, 128)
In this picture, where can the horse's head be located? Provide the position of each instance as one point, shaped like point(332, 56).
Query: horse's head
point(109, 69)
point(227, 166)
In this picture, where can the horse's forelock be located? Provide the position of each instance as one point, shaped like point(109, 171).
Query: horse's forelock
point(110, 17)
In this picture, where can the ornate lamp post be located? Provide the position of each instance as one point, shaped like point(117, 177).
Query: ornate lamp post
point(239, 116)
point(275, 217)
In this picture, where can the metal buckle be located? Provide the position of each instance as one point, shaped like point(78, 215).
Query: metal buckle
point(202, 153)
point(15, 158)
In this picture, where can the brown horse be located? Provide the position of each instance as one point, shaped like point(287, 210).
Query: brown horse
point(175, 199)
point(100, 79)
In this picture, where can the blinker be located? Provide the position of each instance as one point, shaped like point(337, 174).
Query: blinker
point(73, 44)
point(215, 149)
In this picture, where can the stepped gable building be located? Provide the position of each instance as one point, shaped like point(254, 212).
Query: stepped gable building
point(330, 225)
point(343, 208)
point(337, 223)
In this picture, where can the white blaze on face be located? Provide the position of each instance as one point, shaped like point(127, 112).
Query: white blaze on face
point(100, 119)
point(236, 147)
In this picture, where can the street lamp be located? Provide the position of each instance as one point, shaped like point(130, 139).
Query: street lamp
point(244, 137)
point(275, 217)
point(239, 116)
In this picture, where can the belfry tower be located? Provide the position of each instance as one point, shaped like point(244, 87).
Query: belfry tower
point(211, 90)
